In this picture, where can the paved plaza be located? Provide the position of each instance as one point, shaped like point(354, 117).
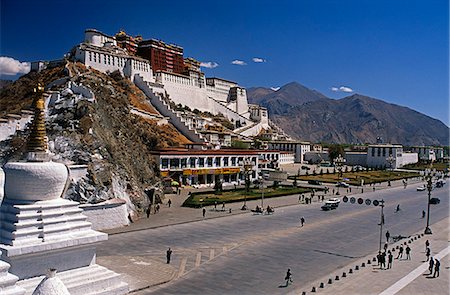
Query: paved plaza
point(147, 272)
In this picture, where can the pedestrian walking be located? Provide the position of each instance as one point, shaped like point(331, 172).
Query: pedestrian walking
point(428, 253)
point(169, 202)
point(408, 253)
point(299, 198)
point(427, 245)
point(157, 207)
point(385, 246)
point(383, 260)
point(288, 277)
point(302, 221)
point(204, 212)
point(388, 234)
point(149, 209)
point(437, 265)
point(400, 252)
point(390, 258)
point(431, 265)
point(223, 206)
point(168, 255)
point(379, 258)
point(215, 206)
point(423, 213)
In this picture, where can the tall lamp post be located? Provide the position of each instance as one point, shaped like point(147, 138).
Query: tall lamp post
point(429, 179)
point(247, 165)
point(381, 223)
point(391, 161)
point(339, 162)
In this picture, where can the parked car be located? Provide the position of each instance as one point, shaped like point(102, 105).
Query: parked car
point(435, 201)
point(421, 188)
point(331, 204)
point(315, 182)
point(305, 168)
point(342, 184)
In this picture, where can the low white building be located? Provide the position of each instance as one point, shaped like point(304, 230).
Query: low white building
point(389, 156)
point(428, 153)
point(299, 148)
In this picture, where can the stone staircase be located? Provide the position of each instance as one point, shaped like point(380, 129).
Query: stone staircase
point(90, 280)
point(8, 281)
point(23, 223)
point(164, 109)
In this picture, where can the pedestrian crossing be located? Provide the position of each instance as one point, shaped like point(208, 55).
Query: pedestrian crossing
point(190, 260)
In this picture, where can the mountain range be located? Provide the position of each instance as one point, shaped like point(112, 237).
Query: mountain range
point(307, 114)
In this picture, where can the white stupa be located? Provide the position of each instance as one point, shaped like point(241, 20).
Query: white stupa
point(40, 231)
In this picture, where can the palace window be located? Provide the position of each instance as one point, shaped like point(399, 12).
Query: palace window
point(192, 162)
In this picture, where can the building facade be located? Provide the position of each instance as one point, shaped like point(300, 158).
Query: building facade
point(299, 148)
point(162, 56)
point(389, 156)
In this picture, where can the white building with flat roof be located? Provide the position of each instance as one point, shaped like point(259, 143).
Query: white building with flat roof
point(299, 148)
point(389, 156)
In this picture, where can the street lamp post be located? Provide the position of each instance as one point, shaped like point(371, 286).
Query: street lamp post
point(381, 223)
point(247, 165)
point(429, 178)
point(339, 162)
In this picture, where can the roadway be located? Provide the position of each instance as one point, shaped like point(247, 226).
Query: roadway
point(256, 250)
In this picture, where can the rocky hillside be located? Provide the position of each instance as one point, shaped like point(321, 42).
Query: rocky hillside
point(309, 115)
point(100, 133)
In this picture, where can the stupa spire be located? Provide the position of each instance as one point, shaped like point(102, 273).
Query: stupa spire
point(37, 141)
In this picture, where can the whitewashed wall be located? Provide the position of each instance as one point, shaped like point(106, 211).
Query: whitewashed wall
point(107, 215)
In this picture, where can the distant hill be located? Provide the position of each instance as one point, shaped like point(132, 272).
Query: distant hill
point(280, 101)
point(309, 115)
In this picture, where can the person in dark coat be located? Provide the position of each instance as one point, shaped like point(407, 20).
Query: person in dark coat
point(431, 265)
point(428, 253)
point(387, 236)
point(383, 260)
point(437, 265)
point(169, 202)
point(400, 252)
point(149, 209)
point(204, 212)
point(168, 255)
point(408, 253)
point(288, 277)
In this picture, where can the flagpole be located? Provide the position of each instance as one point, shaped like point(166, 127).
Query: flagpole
point(381, 223)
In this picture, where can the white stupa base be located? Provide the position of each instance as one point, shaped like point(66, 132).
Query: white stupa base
point(93, 279)
point(8, 281)
point(36, 236)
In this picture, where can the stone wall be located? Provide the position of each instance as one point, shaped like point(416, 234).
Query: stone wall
point(106, 215)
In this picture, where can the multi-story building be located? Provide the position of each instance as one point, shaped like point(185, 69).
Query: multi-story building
point(101, 52)
point(299, 148)
point(203, 167)
point(162, 56)
point(389, 156)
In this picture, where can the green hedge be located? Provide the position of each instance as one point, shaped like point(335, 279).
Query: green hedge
point(200, 199)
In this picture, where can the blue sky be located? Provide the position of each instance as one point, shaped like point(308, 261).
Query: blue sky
point(397, 51)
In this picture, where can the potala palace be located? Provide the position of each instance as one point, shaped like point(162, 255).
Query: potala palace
point(169, 79)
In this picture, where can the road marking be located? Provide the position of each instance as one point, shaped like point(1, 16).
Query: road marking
point(211, 254)
point(182, 266)
point(198, 259)
point(406, 280)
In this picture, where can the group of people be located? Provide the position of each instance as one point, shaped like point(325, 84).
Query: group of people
point(433, 262)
